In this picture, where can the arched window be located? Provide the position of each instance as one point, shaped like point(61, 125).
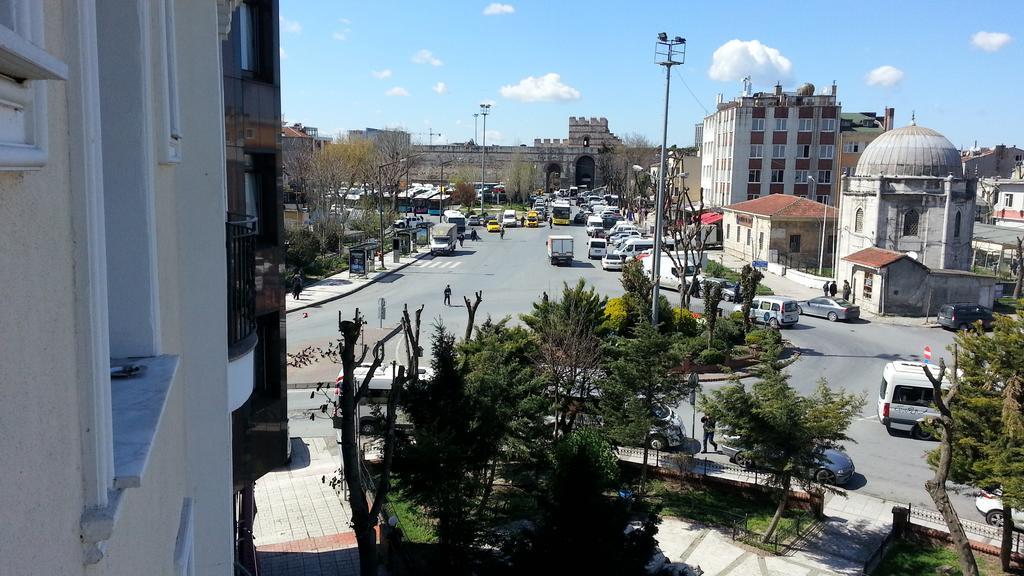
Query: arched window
point(910, 221)
point(956, 225)
point(858, 220)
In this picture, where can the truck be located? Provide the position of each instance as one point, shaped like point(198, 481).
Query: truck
point(560, 249)
point(443, 238)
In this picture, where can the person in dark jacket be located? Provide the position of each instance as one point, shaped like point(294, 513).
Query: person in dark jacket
point(832, 289)
point(296, 285)
point(846, 290)
point(448, 295)
point(709, 431)
point(824, 288)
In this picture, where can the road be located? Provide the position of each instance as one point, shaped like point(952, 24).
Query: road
point(513, 273)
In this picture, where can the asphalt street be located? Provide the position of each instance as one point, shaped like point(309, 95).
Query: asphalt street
point(513, 273)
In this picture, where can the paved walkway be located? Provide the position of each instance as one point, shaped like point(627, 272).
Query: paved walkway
point(302, 525)
point(343, 284)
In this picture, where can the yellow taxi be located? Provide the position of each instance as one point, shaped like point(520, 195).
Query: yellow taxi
point(493, 226)
point(532, 218)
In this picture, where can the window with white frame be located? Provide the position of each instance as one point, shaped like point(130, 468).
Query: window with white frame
point(757, 125)
point(826, 151)
point(753, 175)
point(1008, 200)
point(828, 124)
point(778, 151)
point(822, 199)
point(756, 150)
point(824, 177)
point(803, 151)
point(851, 147)
point(24, 66)
point(800, 176)
point(778, 176)
point(780, 124)
point(806, 124)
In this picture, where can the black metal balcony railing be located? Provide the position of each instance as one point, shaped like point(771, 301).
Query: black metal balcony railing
point(241, 257)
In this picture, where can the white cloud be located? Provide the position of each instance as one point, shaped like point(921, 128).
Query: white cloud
point(381, 74)
point(344, 21)
point(884, 76)
point(990, 41)
point(426, 57)
point(458, 122)
point(284, 55)
point(496, 9)
point(440, 88)
point(547, 88)
point(340, 36)
point(290, 26)
point(738, 58)
point(396, 91)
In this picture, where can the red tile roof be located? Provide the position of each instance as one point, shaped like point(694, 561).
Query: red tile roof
point(777, 205)
point(874, 257)
point(289, 132)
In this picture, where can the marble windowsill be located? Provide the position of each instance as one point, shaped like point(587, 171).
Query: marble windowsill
point(137, 405)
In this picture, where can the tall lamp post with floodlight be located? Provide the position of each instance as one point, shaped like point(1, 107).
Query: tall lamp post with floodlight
point(380, 201)
point(485, 109)
point(667, 50)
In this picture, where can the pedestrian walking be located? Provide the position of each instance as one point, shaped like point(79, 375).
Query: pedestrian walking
point(522, 221)
point(824, 288)
point(832, 289)
point(709, 431)
point(502, 233)
point(462, 238)
point(846, 290)
point(296, 285)
point(550, 223)
point(448, 295)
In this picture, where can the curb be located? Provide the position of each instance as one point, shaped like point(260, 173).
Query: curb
point(722, 377)
point(357, 288)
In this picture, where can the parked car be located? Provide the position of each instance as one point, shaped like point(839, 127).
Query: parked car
point(580, 218)
point(835, 467)
point(612, 260)
point(831, 308)
point(729, 288)
point(990, 504)
point(963, 316)
point(473, 220)
point(775, 311)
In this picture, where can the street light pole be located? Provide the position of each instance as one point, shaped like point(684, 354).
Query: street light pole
point(659, 214)
point(443, 164)
point(485, 109)
point(824, 214)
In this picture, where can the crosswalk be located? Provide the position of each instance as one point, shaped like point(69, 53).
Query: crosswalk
point(437, 264)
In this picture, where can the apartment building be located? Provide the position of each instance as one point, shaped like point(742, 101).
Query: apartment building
point(131, 300)
point(771, 143)
point(856, 131)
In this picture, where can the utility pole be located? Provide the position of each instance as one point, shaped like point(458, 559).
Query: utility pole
point(665, 49)
point(485, 109)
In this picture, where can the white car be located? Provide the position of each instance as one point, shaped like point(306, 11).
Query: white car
point(612, 261)
point(990, 505)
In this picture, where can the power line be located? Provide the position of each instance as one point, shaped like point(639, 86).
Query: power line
point(699, 103)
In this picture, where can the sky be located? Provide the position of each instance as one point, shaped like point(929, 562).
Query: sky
point(427, 66)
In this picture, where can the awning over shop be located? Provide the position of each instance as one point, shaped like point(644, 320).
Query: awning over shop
point(710, 218)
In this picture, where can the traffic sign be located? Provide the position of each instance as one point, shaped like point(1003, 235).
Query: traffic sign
point(759, 264)
point(927, 354)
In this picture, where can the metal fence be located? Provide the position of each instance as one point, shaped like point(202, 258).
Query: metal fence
point(241, 257)
point(876, 557)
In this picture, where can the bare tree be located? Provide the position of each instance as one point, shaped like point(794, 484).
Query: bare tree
point(471, 310)
point(570, 354)
point(521, 176)
point(612, 169)
point(689, 240)
point(392, 146)
point(1018, 258)
point(936, 487)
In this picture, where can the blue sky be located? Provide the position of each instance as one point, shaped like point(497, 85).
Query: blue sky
point(428, 65)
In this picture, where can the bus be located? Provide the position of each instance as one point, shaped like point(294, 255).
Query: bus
point(457, 218)
point(561, 213)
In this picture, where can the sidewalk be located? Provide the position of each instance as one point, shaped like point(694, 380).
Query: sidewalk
point(786, 287)
point(302, 525)
point(343, 284)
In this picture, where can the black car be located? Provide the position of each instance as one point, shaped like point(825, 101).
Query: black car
point(963, 316)
point(580, 218)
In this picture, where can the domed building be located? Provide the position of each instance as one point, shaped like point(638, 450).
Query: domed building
point(908, 207)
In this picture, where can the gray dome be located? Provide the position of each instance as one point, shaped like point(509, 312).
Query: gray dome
point(910, 151)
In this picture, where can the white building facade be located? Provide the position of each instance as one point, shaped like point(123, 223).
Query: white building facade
point(115, 428)
point(771, 143)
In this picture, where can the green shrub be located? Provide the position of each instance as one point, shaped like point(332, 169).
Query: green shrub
point(327, 265)
point(729, 331)
point(302, 248)
point(616, 313)
point(711, 357)
point(755, 337)
point(685, 322)
point(717, 270)
point(692, 346)
point(736, 316)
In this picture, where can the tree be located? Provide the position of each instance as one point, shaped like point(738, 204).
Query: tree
point(749, 279)
point(936, 487)
point(471, 311)
point(639, 387)
point(989, 413)
point(639, 288)
point(569, 333)
point(712, 292)
point(610, 166)
point(689, 237)
point(464, 194)
point(780, 430)
point(521, 176)
point(1018, 258)
point(393, 159)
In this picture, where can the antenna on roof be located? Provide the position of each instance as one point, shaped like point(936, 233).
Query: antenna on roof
point(747, 86)
point(913, 118)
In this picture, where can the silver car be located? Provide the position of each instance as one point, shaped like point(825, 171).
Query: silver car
point(831, 308)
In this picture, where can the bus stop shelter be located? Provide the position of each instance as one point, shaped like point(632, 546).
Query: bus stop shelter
point(360, 258)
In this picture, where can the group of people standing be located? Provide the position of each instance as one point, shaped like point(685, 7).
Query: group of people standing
point(830, 289)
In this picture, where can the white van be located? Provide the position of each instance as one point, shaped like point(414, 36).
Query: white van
point(594, 223)
point(634, 246)
point(668, 273)
point(621, 226)
point(775, 311)
point(905, 398)
point(596, 248)
point(508, 219)
point(372, 408)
